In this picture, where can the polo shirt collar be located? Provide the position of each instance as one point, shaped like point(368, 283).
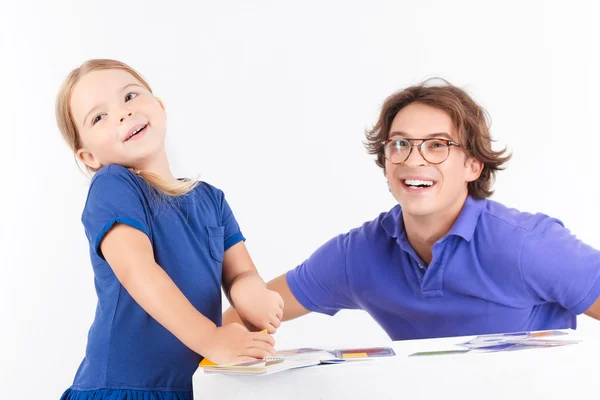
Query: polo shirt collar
point(464, 226)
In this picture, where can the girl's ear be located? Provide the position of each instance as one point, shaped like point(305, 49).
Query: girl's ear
point(88, 159)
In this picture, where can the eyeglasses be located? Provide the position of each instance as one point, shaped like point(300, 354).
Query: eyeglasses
point(434, 151)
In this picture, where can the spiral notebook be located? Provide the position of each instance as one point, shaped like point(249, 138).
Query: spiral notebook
point(298, 358)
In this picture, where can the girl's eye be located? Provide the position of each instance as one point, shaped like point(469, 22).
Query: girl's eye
point(97, 118)
point(130, 96)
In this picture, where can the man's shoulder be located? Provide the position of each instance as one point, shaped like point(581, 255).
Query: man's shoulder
point(506, 218)
point(384, 225)
point(501, 230)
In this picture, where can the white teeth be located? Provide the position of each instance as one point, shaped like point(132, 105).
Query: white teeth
point(417, 182)
point(136, 131)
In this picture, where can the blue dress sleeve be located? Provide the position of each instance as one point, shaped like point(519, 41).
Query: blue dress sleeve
point(232, 234)
point(557, 267)
point(320, 283)
point(115, 196)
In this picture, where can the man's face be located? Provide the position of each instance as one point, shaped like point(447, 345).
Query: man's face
point(422, 186)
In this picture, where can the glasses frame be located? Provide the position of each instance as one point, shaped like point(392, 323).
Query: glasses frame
point(448, 143)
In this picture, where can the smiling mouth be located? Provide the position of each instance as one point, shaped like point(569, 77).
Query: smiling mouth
point(138, 130)
point(417, 183)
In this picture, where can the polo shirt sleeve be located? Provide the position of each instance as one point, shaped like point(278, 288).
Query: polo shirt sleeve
point(114, 198)
point(558, 267)
point(320, 283)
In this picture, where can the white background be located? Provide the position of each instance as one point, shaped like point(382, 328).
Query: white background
point(269, 101)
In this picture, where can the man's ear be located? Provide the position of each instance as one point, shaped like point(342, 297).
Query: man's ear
point(474, 168)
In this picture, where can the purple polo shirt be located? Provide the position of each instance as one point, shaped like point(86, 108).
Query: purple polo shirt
point(497, 270)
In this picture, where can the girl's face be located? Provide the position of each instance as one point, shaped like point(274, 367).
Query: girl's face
point(118, 120)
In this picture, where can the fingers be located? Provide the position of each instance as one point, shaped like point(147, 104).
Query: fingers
point(257, 353)
point(279, 314)
point(275, 321)
point(271, 330)
point(265, 316)
point(263, 337)
point(258, 349)
point(271, 324)
point(261, 349)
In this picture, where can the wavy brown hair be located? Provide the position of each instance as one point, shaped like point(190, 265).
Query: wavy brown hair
point(470, 120)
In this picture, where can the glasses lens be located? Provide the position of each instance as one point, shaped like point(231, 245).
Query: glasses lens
point(397, 150)
point(435, 151)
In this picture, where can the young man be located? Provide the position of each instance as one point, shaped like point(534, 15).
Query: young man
point(446, 261)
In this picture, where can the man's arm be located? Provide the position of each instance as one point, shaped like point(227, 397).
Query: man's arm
point(293, 308)
point(557, 267)
point(594, 310)
point(319, 284)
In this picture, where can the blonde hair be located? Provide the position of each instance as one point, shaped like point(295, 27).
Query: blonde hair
point(67, 127)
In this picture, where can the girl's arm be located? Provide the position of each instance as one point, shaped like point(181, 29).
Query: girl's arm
point(293, 308)
point(130, 255)
point(258, 306)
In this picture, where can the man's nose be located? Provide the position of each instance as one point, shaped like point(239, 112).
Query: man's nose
point(415, 159)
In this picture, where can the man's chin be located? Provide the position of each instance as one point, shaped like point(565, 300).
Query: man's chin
point(416, 208)
point(417, 212)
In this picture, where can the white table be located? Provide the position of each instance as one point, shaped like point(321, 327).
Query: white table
point(569, 372)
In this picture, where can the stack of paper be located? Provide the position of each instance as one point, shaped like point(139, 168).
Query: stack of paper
point(259, 367)
point(517, 341)
point(506, 342)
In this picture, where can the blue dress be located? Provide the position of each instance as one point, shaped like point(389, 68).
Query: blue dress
point(129, 355)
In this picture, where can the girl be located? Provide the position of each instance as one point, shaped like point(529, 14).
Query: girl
point(160, 248)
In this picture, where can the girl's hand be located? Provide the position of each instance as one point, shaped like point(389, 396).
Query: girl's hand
point(259, 307)
point(233, 343)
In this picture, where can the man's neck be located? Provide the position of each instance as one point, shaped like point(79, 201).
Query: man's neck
point(423, 232)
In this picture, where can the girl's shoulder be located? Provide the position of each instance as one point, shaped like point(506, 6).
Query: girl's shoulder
point(115, 173)
point(114, 185)
point(207, 189)
point(118, 182)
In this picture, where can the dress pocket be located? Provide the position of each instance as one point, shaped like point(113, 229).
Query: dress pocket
point(216, 242)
